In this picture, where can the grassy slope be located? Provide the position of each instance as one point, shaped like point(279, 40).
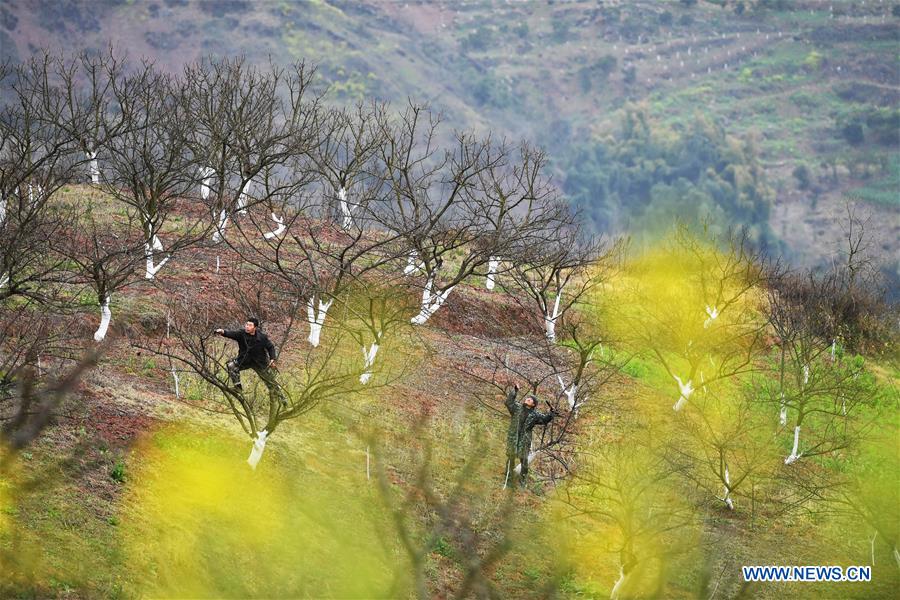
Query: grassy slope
point(146, 494)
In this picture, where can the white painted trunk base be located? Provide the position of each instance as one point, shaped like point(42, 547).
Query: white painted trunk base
point(278, 231)
point(493, 265)
point(685, 390)
point(151, 270)
point(617, 588)
point(94, 168)
point(243, 196)
point(40, 193)
point(316, 319)
point(430, 302)
point(219, 233)
point(259, 446)
point(795, 453)
point(569, 392)
point(413, 264)
point(105, 317)
point(712, 314)
point(727, 497)
point(782, 416)
point(550, 319)
point(347, 222)
point(369, 360)
point(206, 174)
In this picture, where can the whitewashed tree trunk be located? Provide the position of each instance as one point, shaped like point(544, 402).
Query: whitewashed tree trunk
point(206, 174)
point(712, 313)
point(727, 497)
point(243, 196)
point(31, 193)
point(219, 233)
point(430, 302)
point(347, 223)
point(617, 588)
point(685, 390)
point(795, 453)
point(149, 249)
point(897, 556)
point(550, 319)
point(259, 446)
point(172, 364)
point(316, 318)
point(278, 231)
point(4, 279)
point(569, 392)
point(369, 357)
point(782, 417)
point(105, 317)
point(217, 264)
point(413, 264)
point(493, 265)
point(94, 167)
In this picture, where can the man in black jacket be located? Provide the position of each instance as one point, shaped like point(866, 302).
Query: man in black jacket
point(255, 351)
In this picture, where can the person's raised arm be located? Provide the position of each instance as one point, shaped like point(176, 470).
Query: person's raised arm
point(511, 399)
point(542, 418)
point(229, 334)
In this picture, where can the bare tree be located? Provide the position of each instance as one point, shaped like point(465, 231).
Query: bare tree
point(565, 259)
point(39, 153)
point(626, 495)
point(451, 515)
point(520, 211)
point(348, 141)
point(440, 203)
point(724, 445)
point(246, 123)
point(813, 383)
point(331, 374)
point(103, 251)
point(150, 168)
point(695, 307)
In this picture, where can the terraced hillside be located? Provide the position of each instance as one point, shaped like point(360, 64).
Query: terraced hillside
point(812, 86)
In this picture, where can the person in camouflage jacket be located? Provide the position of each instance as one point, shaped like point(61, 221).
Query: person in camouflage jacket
point(523, 417)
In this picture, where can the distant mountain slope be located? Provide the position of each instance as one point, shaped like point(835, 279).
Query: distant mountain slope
point(813, 84)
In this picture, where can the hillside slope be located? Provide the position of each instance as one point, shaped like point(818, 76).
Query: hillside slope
point(813, 84)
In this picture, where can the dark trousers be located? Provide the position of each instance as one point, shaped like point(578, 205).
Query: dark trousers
point(268, 375)
point(509, 472)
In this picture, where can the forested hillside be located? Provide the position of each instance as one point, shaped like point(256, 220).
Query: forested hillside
point(793, 103)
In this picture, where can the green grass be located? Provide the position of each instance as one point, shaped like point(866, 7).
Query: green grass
point(884, 190)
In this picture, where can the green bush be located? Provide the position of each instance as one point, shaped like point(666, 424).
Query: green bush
point(117, 473)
